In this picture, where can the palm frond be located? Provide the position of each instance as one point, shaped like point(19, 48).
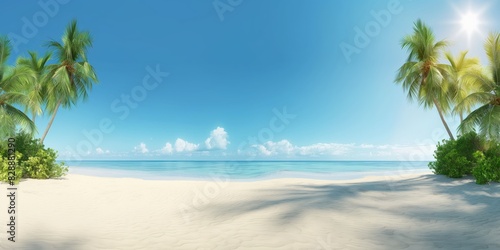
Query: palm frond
point(19, 118)
point(5, 48)
point(492, 47)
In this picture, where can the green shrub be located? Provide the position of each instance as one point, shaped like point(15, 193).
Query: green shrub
point(442, 165)
point(456, 158)
point(43, 165)
point(33, 160)
point(488, 165)
point(470, 154)
point(4, 169)
point(467, 145)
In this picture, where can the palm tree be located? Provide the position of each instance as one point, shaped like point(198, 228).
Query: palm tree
point(35, 85)
point(462, 84)
point(422, 76)
point(72, 77)
point(487, 116)
point(11, 116)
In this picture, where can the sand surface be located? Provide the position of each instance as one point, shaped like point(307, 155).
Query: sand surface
point(397, 212)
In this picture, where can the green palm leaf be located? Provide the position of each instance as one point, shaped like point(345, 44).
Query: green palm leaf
point(422, 76)
point(11, 81)
point(72, 77)
point(35, 84)
point(487, 117)
point(19, 118)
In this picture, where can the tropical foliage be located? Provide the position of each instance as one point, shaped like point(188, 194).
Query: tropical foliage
point(461, 82)
point(469, 155)
point(422, 76)
point(72, 77)
point(33, 160)
point(487, 117)
point(488, 165)
point(36, 86)
point(455, 158)
point(10, 96)
point(459, 87)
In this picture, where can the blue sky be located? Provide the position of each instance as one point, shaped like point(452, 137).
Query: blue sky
point(191, 79)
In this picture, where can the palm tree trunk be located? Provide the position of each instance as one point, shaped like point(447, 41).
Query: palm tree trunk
point(438, 107)
point(50, 122)
point(461, 115)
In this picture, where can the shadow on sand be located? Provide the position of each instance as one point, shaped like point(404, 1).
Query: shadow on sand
point(454, 214)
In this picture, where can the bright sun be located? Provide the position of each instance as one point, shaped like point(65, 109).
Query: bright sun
point(470, 23)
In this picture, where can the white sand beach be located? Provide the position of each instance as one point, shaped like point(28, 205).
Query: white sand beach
point(396, 212)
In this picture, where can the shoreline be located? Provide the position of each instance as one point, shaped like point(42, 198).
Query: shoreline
point(341, 179)
point(389, 212)
point(332, 176)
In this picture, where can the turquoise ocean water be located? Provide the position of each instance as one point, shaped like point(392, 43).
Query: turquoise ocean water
point(245, 170)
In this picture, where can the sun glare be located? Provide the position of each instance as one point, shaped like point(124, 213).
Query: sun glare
point(470, 23)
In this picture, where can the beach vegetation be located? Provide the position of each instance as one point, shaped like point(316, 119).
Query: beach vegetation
point(470, 155)
point(32, 160)
point(488, 165)
point(34, 83)
point(422, 76)
point(38, 85)
point(11, 97)
point(72, 77)
point(455, 158)
point(459, 87)
point(486, 118)
point(462, 83)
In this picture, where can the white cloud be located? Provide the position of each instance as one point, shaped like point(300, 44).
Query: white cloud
point(180, 146)
point(282, 147)
point(263, 150)
point(101, 151)
point(185, 146)
point(168, 149)
point(286, 149)
point(141, 148)
point(217, 139)
point(325, 149)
